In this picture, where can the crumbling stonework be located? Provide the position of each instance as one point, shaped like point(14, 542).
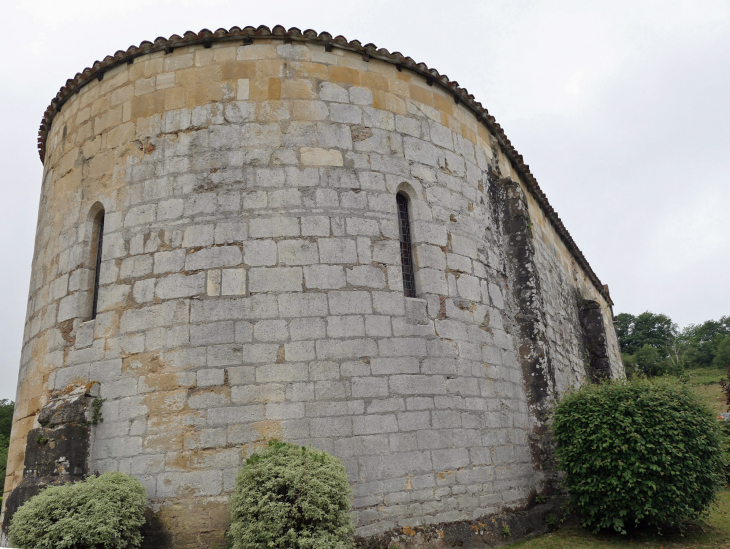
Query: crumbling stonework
point(57, 452)
point(250, 285)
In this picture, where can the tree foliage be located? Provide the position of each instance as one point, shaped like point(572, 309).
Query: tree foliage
point(705, 339)
point(291, 497)
point(637, 452)
point(6, 417)
point(6, 422)
point(652, 345)
point(634, 332)
point(105, 511)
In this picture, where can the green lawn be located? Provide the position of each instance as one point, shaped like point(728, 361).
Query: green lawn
point(711, 533)
point(705, 382)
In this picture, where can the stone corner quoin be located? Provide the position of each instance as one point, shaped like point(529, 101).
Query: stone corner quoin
point(250, 286)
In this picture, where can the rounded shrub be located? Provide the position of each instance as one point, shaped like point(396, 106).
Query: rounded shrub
point(105, 511)
point(291, 497)
point(637, 453)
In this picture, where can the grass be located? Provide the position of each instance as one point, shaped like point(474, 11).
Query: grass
point(712, 533)
point(705, 383)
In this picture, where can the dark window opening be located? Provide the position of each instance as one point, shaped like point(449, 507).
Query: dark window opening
point(97, 247)
point(406, 251)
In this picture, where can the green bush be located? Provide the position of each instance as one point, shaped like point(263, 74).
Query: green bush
point(105, 511)
point(637, 453)
point(291, 497)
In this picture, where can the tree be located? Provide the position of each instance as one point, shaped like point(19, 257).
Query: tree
point(656, 330)
point(704, 340)
point(6, 422)
point(721, 357)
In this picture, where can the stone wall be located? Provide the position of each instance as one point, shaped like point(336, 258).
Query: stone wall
point(251, 285)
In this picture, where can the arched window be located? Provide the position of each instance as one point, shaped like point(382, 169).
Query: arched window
point(406, 251)
point(97, 242)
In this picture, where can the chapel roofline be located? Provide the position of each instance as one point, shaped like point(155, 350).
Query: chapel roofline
point(368, 51)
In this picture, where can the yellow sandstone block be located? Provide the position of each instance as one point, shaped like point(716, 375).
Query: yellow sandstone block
point(121, 95)
point(270, 68)
point(120, 135)
point(444, 104)
point(259, 89)
point(203, 57)
point(144, 86)
point(100, 105)
point(224, 54)
point(107, 119)
point(395, 104)
point(344, 75)
point(210, 74)
point(147, 105)
point(379, 99)
point(469, 134)
point(234, 70)
point(375, 81)
point(304, 69)
point(297, 89)
point(398, 86)
point(175, 98)
point(422, 95)
point(186, 77)
point(274, 88)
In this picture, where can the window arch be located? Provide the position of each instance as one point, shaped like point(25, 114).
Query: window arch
point(97, 243)
point(406, 248)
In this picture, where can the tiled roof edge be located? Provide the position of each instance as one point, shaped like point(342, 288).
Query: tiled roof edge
point(206, 37)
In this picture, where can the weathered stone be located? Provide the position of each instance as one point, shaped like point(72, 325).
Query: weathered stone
point(252, 288)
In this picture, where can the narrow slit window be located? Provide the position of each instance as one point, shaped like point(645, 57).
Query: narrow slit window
point(406, 252)
point(97, 246)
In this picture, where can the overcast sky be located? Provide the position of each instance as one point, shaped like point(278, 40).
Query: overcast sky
point(621, 109)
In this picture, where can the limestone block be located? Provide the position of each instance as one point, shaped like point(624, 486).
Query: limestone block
point(233, 282)
point(259, 252)
point(273, 227)
point(198, 236)
point(213, 282)
point(307, 328)
point(349, 302)
point(179, 285)
point(333, 92)
point(136, 266)
point(275, 279)
point(332, 136)
point(210, 377)
point(298, 252)
point(353, 348)
point(337, 250)
point(222, 256)
point(366, 276)
point(271, 330)
point(302, 305)
point(110, 297)
point(212, 333)
point(345, 326)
